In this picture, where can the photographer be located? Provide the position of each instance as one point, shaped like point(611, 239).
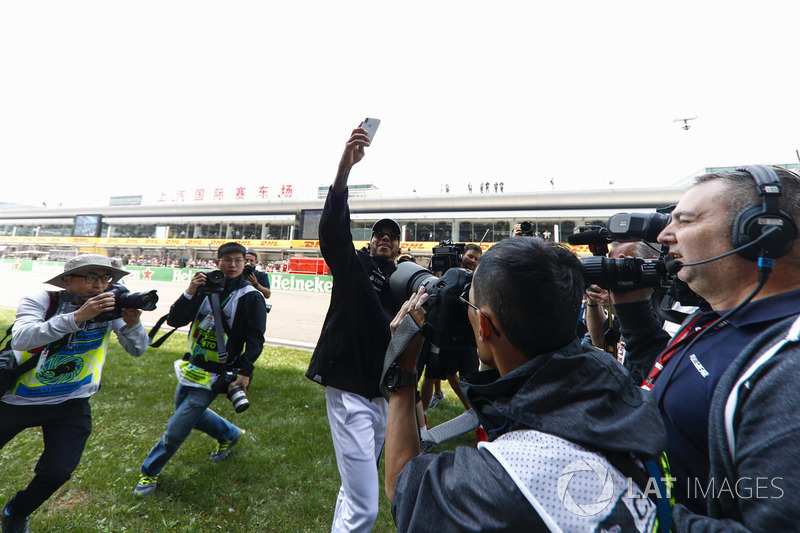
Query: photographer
point(348, 358)
point(61, 331)
point(724, 384)
point(257, 278)
point(549, 404)
point(210, 371)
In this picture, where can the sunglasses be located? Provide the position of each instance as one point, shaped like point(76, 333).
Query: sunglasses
point(465, 300)
point(380, 234)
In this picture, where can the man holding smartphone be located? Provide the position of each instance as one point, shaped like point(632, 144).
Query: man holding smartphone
point(348, 359)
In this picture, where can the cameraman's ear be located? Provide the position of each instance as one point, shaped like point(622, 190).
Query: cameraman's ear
point(485, 330)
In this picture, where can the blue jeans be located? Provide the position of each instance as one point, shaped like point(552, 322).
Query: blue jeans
point(191, 412)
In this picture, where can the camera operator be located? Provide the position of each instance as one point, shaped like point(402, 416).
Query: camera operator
point(209, 370)
point(718, 433)
point(348, 359)
point(257, 278)
point(551, 403)
point(601, 323)
point(61, 332)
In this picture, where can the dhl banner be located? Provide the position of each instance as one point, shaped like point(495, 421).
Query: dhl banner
point(308, 244)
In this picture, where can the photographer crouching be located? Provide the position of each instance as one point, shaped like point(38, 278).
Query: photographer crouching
point(222, 305)
point(60, 340)
point(551, 405)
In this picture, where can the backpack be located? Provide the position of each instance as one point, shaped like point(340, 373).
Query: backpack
point(9, 369)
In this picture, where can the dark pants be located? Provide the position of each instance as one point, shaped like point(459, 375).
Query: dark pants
point(65, 429)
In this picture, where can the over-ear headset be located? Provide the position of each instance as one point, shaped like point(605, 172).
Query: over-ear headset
point(754, 220)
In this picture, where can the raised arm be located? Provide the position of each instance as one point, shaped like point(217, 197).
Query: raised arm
point(353, 153)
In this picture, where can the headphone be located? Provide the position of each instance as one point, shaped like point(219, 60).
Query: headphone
point(753, 221)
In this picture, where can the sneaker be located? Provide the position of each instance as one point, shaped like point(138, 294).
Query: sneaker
point(437, 398)
point(147, 485)
point(15, 524)
point(224, 448)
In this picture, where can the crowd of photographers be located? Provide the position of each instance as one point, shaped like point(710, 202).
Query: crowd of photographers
point(672, 412)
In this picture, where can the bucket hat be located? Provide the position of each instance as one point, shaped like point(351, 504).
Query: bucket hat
point(87, 262)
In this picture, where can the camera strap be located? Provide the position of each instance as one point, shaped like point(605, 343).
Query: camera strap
point(408, 329)
point(156, 327)
point(220, 326)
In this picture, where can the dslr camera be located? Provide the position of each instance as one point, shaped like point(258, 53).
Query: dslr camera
point(125, 299)
point(215, 283)
point(446, 322)
point(248, 269)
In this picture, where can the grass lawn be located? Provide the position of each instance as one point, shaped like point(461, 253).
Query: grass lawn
point(281, 476)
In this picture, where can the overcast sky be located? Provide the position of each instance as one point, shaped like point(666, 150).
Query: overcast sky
point(123, 98)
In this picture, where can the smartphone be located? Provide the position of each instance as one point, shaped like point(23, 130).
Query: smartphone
point(371, 125)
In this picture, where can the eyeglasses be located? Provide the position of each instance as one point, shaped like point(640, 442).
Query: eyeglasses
point(465, 300)
point(93, 278)
point(238, 260)
point(386, 233)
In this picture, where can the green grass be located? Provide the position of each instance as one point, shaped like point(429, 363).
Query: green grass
point(282, 475)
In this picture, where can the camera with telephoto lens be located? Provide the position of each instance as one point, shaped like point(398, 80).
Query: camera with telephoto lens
point(526, 228)
point(446, 256)
point(248, 269)
point(215, 283)
point(125, 299)
point(236, 395)
point(446, 323)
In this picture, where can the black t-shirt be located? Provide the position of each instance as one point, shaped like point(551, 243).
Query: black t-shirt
point(262, 278)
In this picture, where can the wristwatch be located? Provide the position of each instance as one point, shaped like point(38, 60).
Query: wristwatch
point(397, 378)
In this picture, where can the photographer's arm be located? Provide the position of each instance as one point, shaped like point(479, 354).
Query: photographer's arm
point(253, 311)
point(597, 300)
point(31, 330)
point(402, 432)
point(640, 329)
point(131, 334)
point(185, 307)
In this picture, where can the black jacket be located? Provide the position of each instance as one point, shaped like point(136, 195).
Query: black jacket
point(581, 395)
point(351, 348)
point(246, 338)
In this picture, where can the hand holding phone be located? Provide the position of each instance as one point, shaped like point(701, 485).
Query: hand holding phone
point(371, 125)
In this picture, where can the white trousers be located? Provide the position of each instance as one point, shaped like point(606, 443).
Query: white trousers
point(358, 429)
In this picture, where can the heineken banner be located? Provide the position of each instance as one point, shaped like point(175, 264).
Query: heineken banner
point(279, 281)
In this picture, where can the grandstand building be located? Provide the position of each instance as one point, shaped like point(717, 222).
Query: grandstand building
point(182, 234)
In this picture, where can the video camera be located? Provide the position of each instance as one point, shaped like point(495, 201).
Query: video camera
point(631, 272)
point(446, 256)
point(125, 299)
point(446, 322)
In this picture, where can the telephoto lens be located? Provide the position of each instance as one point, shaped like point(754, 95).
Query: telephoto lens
point(239, 399)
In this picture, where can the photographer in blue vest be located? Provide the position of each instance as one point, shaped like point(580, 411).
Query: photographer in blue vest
point(63, 336)
point(228, 317)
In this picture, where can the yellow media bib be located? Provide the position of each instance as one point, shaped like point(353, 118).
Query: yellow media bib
point(203, 343)
point(74, 371)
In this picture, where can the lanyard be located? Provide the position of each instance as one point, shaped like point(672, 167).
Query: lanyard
point(684, 337)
